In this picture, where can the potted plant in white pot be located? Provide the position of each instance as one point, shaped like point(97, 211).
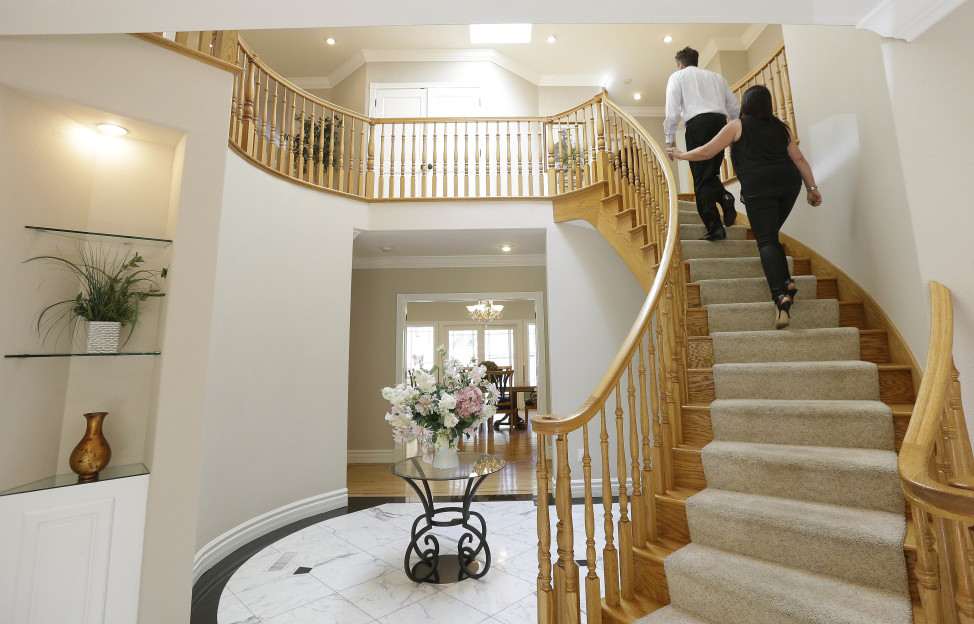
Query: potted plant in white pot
point(113, 288)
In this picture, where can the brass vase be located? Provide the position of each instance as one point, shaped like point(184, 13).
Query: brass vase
point(92, 453)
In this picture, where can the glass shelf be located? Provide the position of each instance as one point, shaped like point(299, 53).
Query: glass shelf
point(24, 356)
point(83, 234)
point(70, 478)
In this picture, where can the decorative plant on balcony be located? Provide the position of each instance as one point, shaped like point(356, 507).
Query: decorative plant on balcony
point(113, 288)
point(436, 413)
point(314, 145)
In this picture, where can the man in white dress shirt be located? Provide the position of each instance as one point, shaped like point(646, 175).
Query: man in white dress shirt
point(705, 102)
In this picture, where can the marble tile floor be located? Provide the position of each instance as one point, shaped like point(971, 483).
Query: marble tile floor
point(348, 569)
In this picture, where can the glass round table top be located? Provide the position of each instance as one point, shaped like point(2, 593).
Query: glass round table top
point(471, 465)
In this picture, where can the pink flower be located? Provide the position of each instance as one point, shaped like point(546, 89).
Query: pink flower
point(470, 401)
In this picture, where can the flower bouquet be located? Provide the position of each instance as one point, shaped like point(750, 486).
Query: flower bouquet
point(437, 412)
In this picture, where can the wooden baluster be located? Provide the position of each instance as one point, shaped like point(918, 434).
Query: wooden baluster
point(274, 153)
point(665, 438)
point(487, 184)
point(648, 478)
point(466, 159)
point(305, 144)
point(318, 156)
point(626, 564)
point(262, 138)
point(786, 87)
point(476, 166)
point(530, 167)
point(456, 160)
point(370, 166)
point(236, 107)
point(590, 153)
point(610, 557)
point(546, 597)
point(413, 172)
point(334, 143)
point(435, 159)
point(509, 158)
point(497, 155)
point(292, 146)
point(425, 161)
point(341, 153)
point(638, 505)
point(520, 167)
point(351, 167)
point(247, 131)
point(402, 163)
point(956, 427)
point(446, 168)
point(615, 158)
point(360, 162)
point(962, 552)
point(385, 159)
point(593, 592)
point(550, 170)
point(566, 570)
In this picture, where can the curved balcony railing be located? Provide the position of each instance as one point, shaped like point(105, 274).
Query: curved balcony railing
point(937, 474)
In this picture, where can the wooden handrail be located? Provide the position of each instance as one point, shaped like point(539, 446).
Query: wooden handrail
point(925, 488)
point(548, 424)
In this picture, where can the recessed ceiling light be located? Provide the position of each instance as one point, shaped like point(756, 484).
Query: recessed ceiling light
point(667, 39)
point(330, 41)
point(506, 248)
point(112, 129)
point(637, 96)
point(627, 81)
point(552, 38)
point(385, 249)
point(500, 33)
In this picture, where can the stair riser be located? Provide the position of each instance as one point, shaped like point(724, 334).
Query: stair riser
point(688, 469)
point(741, 381)
point(719, 249)
point(750, 290)
point(868, 487)
point(806, 549)
point(671, 516)
point(851, 314)
point(825, 289)
point(651, 577)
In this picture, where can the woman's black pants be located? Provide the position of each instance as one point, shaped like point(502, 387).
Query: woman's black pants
point(767, 213)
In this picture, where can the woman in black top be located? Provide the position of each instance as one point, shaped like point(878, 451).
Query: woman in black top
point(770, 168)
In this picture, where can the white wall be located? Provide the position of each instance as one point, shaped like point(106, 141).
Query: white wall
point(136, 80)
point(847, 133)
point(277, 390)
point(931, 86)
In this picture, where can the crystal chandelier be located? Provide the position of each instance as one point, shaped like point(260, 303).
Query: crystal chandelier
point(485, 311)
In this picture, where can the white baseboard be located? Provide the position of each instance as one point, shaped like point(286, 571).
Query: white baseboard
point(236, 537)
point(371, 457)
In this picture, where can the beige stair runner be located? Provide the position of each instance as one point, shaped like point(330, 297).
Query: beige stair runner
point(802, 520)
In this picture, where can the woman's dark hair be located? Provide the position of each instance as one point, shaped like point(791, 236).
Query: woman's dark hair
point(757, 103)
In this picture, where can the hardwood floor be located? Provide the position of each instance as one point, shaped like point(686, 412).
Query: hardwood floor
point(518, 447)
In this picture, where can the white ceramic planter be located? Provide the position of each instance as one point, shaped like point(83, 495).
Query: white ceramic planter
point(102, 337)
point(447, 458)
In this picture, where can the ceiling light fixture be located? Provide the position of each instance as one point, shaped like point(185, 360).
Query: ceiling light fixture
point(485, 311)
point(552, 38)
point(385, 249)
point(112, 129)
point(330, 41)
point(637, 96)
point(500, 33)
point(667, 39)
point(506, 248)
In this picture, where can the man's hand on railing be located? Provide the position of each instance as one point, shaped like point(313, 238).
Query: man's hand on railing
point(668, 146)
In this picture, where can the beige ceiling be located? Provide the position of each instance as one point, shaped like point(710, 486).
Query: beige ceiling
point(584, 54)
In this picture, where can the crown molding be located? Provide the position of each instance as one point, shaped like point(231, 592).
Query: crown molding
point(751, 34)
point(645, 111)
point(433, 262)
point(906, 19)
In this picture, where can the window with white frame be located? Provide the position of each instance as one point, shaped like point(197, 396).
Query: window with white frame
point(420, 346)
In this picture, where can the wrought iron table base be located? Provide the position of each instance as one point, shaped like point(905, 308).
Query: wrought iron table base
point(432, 567)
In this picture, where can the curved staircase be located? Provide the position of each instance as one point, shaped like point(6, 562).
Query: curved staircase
point(788, 505)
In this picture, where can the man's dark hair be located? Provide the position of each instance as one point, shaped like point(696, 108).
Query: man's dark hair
point(688, 56)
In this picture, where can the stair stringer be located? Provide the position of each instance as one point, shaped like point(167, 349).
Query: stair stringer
point(595, 205)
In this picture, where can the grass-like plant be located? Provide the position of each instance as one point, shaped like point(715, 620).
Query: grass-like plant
point(113, 288)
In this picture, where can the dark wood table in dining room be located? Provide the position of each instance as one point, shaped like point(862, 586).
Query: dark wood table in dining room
point(527, 390)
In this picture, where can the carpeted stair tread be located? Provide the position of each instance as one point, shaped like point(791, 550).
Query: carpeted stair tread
point(865, 478)
point(805, 314)
point(750, 289)
point(728, 588)
point(719, 249)
point(799, 345)
point(841, 424)
point(729, 268)
point(841, 380)
point(693, 231)
point(671, 615)
point(859, 545)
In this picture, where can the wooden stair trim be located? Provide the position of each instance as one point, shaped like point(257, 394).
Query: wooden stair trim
point(850, 315)
point(872, 348)
point(827, 289)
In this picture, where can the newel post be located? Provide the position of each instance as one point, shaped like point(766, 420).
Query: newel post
point(601, 157)
point(370, 163)
point(248, 135)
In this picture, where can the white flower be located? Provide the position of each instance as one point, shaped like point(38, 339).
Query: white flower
point(476, 374)
point(489, 410)
point(447, 402)
point(450, 419)
point(442, 441)
point(424, 381)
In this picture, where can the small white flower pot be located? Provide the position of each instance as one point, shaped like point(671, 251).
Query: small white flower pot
point(102, 337)
point(446, 458)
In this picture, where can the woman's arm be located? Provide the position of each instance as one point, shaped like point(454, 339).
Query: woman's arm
point(729, 134)
point(814, 198)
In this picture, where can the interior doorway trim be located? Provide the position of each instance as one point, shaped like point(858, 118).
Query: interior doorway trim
point(537, 297)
